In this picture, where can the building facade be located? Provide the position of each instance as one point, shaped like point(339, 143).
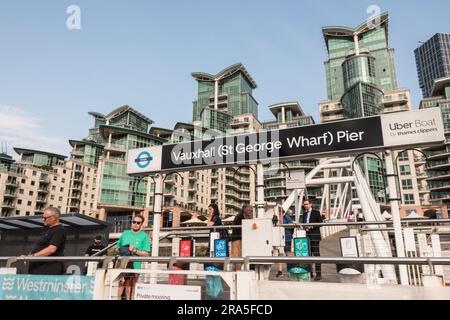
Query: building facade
point(437, 165)
point(433, 61)
point(40, 179)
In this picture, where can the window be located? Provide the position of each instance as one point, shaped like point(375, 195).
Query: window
point(19, 201)
point(64, 171)
point(61, 189)
point(29, 203)
point(52, 197)
point(21, 191)
point(33, 183)
point(17, 212)
point(27, 213)
point(63, 180)
point(408, 198)
point(55, 178)
point(31, 193)
point(53, 188)
point(60, 198)
point(405, 170)
point(23, 180)
point(407, 184)
point(403, 156)
point(34, 173)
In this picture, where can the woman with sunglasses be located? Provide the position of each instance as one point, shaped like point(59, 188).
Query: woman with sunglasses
point(134, 242)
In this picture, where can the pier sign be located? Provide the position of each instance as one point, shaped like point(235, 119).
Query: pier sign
point(388, 131)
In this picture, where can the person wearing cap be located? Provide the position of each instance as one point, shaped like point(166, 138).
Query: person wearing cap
point(96, 247)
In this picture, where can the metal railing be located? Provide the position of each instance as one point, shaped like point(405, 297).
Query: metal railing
point(325, 224)
point(246, 261)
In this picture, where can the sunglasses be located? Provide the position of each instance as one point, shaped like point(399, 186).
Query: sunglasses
point(137, 222)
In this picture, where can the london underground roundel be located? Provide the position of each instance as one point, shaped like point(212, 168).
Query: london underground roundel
point(143, 160)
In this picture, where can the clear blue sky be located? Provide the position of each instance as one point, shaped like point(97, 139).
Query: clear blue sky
point(142, 53)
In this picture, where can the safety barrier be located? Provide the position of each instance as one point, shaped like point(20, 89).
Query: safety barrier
point(251, 282)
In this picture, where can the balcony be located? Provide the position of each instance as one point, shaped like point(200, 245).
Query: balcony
point(439, 196)
point(438, 175)
point(276, 186)
point(12, 183)
point(170, 180)
point(233, 195)
point(41, 200)
point(438, 164)
point(215, 174)
point(42, 190)
point(78, 178)
point(192, 176)
point(437, 186)
point(10, 194)
point(77, 187)
point(118, 160)
point(233, 204)
point(115, 147)
point(439, 154)
point(424, 190)
point(275, 177)
point(191, 201)
point(333, 118)
point(77, 153)
point(44, 180)
point(8, 205)
point(418, 161)
point(243, 122)
point(330, 109)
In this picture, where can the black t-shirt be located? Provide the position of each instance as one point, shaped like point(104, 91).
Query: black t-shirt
point(55, 236)
point(93, 249)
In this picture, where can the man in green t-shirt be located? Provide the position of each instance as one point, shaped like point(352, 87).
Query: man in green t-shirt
point(134, 242)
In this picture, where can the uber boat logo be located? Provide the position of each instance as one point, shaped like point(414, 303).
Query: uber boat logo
point(414, 127)
point(144, 160)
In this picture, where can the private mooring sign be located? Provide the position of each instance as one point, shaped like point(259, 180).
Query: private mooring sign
point(390, 131)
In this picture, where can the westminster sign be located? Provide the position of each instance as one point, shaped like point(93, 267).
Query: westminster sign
point(390, 131)
point(43, 287)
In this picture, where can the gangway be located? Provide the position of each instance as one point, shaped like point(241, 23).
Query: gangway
point(350, 177)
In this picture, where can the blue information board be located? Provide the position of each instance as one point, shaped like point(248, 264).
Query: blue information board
point(43, 287)
point(220, 248)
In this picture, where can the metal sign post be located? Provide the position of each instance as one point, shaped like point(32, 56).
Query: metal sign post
point(260, 201)
point(156, 222)
point(395, 211)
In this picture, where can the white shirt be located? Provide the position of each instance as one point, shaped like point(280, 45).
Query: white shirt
point(308, 216)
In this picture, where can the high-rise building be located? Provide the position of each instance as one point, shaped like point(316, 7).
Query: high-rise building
point(360, 66)
point(230, 91)
point(438, 158)
point(118, 195)
point(433, 61)
point(225, 105)
point(362, 81)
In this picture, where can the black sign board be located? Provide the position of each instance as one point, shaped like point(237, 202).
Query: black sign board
point(275, 145)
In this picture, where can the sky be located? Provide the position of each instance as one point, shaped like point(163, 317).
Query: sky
point(141, 53)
